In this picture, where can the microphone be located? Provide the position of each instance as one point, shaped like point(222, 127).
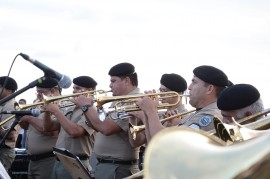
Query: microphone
point(33, 112)
point(63, 80)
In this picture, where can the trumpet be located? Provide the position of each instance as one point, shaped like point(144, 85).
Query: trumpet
point(21, 107)
point(134, 130)
point(66, 97)
point(120, 101)
point(52, 99)
point(129, 99)
point(127, 103)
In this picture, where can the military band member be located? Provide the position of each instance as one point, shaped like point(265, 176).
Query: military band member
point(117, 158)
point(75, 135)
point(39, 144)
point(7, 150)
point(176, 83)
point(206, 85)
point(168, 83)
point(239, 101)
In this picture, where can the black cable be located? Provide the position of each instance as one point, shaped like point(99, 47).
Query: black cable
point(5, 83)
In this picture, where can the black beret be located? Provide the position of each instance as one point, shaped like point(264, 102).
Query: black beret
point(85, 81)
point(230, 83)
point(174, 82)
point(237, 96)
point(11, 83)
point(47, 83)
point(211, 75)
point(122, 69)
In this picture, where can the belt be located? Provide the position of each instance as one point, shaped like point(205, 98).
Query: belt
point(81, 157)
point(41, 156)
point(120, 162)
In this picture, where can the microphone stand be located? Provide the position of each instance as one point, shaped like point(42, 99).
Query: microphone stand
point(30, 85)
point(15, 122)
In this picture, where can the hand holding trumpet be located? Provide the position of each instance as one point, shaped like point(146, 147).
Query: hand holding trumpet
point(82, 100)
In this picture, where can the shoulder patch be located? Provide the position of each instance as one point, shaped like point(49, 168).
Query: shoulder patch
point(205, 120)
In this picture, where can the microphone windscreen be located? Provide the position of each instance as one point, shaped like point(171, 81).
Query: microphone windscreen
point(35, 112)
point(65, 82)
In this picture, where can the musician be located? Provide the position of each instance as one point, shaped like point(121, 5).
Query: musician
point(206, 85)
point(168, 82)
point(39, 144)
point(116, 157)
point(176, 83)
point(7, 151)
point(239, 101)
point(75, 135)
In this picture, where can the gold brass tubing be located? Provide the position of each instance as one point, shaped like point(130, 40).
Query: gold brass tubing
point(134, 130)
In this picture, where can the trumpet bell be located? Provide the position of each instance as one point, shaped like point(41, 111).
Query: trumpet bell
point(187, 153)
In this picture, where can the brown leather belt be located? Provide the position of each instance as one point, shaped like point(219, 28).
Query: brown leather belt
point(37, 157)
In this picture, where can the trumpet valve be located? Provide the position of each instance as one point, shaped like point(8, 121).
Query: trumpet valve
point(132, 131)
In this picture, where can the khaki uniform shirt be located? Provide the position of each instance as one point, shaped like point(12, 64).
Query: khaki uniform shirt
point(116, 146)
point(40, 142)
point(8, 106)
point(78, 146)
point(203, 118)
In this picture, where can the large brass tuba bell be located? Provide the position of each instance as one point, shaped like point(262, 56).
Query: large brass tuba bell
point(182, 152)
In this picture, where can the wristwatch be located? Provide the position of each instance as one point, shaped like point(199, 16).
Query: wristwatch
point(86, 107)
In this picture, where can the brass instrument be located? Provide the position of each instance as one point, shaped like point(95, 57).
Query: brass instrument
point(52, 99)
point(254, 116)
point(238, 132)
point(138, 175)
point(129, 99)
point(88, 93)
point(120, 101)
point(184, 152)
point(127, 103)
point(20, 107)
point(134, 130)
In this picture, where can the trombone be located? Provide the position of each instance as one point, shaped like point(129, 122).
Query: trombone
point(239, 132)
point(134, 130)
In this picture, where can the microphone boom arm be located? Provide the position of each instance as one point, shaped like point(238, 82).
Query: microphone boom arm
point(13, 95)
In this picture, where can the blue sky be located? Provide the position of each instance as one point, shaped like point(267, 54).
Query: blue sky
point(87, 37)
